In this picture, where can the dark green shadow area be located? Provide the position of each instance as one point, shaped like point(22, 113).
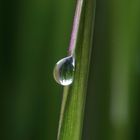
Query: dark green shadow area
point(35, 35)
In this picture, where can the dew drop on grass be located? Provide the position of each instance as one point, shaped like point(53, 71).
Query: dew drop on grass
point(64, 71)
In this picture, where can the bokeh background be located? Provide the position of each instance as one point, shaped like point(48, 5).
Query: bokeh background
point(35, 35)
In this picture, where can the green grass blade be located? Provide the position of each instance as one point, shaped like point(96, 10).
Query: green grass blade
point(73, 102)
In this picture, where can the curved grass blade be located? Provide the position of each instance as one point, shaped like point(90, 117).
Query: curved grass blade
point(73, 102)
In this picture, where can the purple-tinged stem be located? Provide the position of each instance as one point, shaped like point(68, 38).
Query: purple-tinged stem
point(75, 27)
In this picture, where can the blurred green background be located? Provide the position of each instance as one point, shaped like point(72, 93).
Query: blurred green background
point(35, 35)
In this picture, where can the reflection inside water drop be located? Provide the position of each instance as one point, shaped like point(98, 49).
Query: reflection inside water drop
point(64, 71)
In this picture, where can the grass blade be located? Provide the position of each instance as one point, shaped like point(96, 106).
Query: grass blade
point(73, 102)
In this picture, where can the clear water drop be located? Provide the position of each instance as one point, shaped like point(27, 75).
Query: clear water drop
point(64, 71)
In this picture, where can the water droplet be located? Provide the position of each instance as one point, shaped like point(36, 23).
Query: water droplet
point(64, 71)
